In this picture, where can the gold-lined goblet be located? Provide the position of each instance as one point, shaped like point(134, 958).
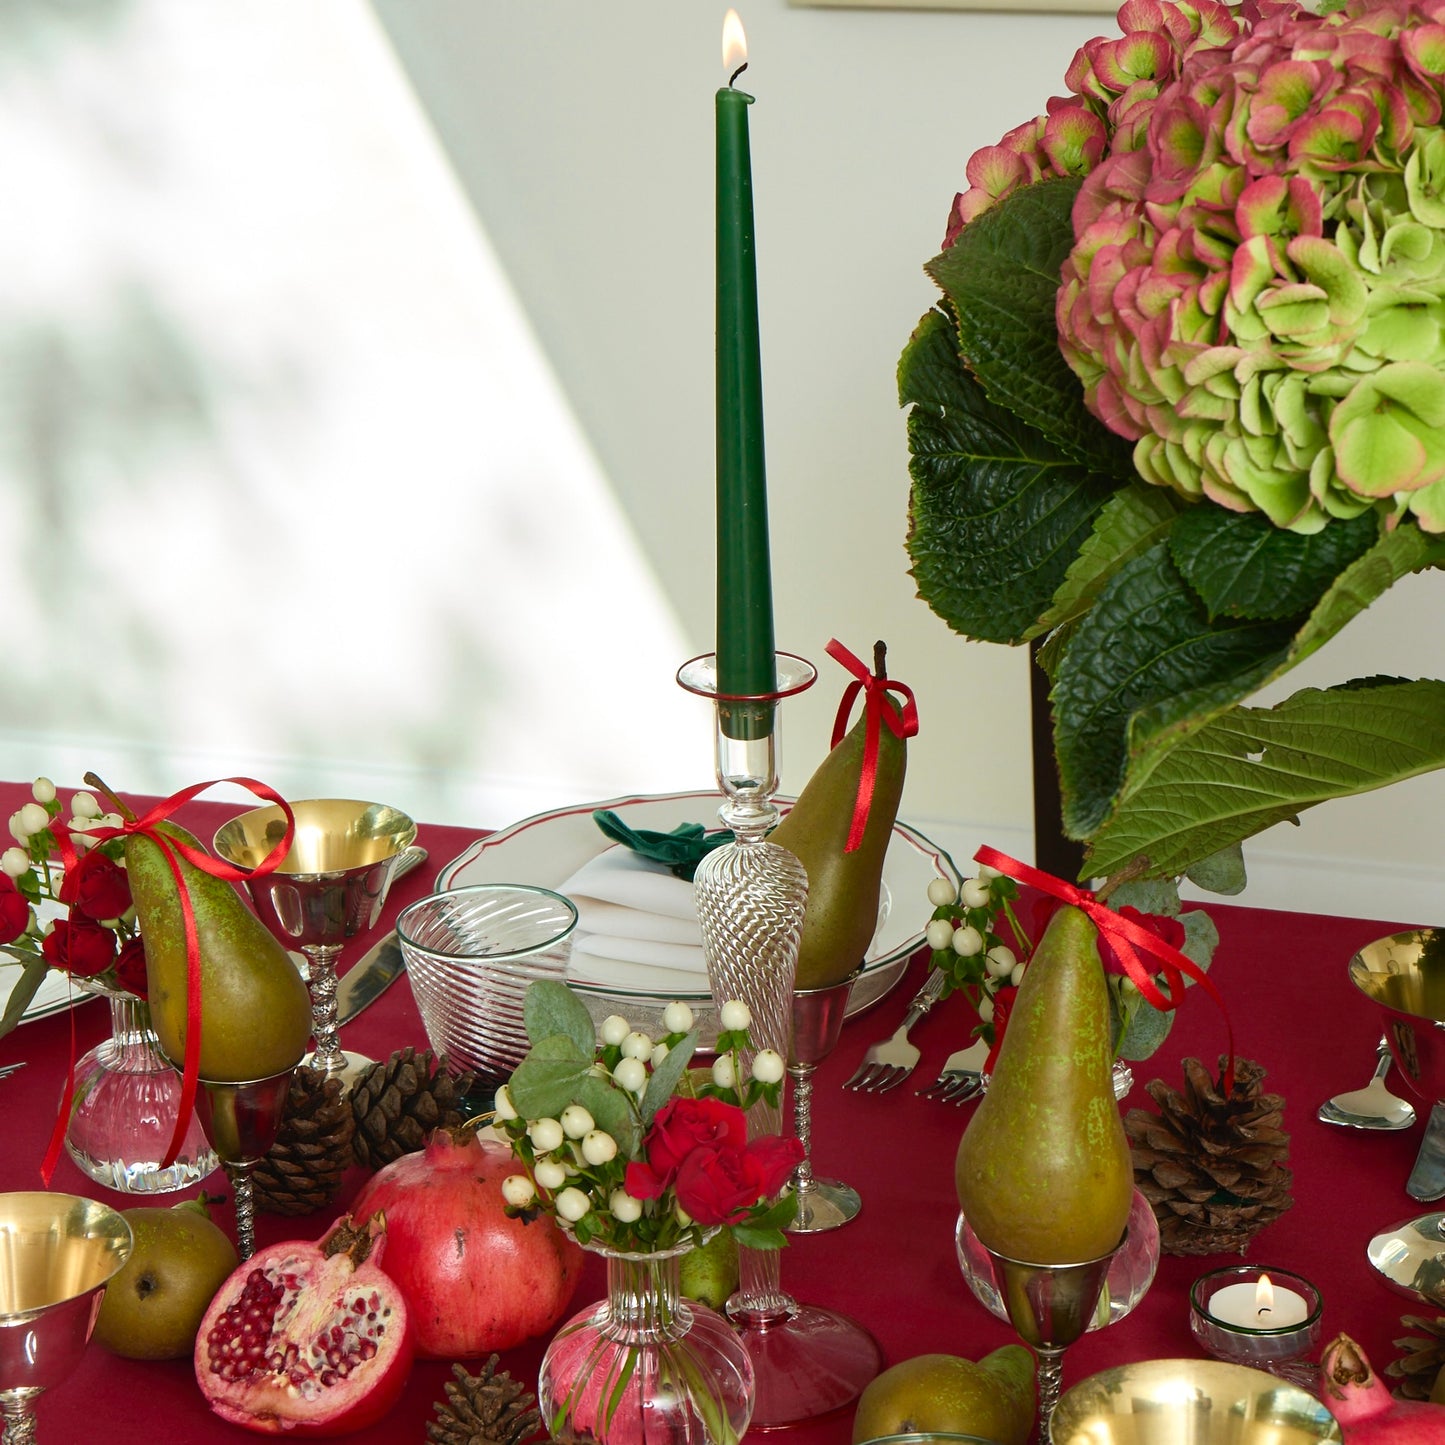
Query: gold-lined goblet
point(57, 1252)
point(241, 1121)
point(330, 886)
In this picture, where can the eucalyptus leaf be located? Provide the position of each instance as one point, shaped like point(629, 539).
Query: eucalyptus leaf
point(666, 1076)
point(549, 1007)
point(1201, 937)
point(611, 1112)
point(1148, 1028)
point(997, 513)
point(1002, 277)
point(1250, 768)
point(32, 974)
point(1222, 872)
point(1148, 895)
point(543, 1084)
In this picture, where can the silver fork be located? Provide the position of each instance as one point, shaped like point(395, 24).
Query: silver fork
point(888, 1062)
point(7, 1069)
point(961, 1076)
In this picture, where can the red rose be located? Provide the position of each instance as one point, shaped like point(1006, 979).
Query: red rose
point(79, 947)
point(1170, 930)
point(14, 910)
point(681, 1127)
point(775, 1157)
point(717, 1186)
point(130, 966)
point(1003, 1002)
point(96, 887)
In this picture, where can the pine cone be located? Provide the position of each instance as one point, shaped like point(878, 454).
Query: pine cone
point(487, 1409)
point(1424, 1354)
point(313, 1148)
point(398, 1101)
point(1213, 1168)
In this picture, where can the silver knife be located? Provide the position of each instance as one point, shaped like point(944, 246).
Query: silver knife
point(1427, 1178)
point(381, 965)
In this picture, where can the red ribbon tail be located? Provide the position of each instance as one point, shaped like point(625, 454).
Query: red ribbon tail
point(62, 1118)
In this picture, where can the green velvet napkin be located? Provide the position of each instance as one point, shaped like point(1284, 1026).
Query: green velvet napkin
point(681, 850)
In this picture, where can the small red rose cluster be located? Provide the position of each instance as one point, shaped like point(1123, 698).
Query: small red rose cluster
point(699, 1148)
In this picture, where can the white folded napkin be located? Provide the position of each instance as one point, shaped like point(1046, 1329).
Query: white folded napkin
point(636, 925)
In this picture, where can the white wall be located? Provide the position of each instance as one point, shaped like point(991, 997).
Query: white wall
point(430, 282)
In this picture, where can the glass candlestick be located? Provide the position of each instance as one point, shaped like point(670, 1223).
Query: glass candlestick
point(751, 895)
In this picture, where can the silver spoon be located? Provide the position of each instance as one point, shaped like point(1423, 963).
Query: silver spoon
point(1374, 1106)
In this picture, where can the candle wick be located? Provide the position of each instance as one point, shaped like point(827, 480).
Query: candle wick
point(732, 79)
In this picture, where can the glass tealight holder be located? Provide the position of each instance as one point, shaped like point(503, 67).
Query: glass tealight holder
point(1230, 1313)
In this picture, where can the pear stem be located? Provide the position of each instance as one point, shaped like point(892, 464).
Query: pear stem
point(101, 787)
point(880, 659)
point(1134, 868)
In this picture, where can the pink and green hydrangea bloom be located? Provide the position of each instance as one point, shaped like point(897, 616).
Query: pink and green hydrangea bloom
point(1256, 293)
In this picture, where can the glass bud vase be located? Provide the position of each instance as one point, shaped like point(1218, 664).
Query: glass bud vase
point(645, 1366)
point(124, 1108)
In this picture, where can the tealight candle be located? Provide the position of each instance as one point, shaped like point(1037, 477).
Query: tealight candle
point(1266, 1318)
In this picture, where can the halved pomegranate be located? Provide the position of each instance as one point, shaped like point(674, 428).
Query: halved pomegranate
point(309, 1338)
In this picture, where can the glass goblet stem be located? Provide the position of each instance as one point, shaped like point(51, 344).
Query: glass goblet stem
point(244, 1195)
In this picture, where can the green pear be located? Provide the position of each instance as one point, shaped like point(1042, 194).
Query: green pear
point(843, 888)
point(255, 1010)
point(1043, 1170)
point(992, 1398)
point(709, 1273)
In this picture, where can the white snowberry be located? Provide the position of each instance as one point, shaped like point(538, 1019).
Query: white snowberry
point(1017, 976)
point(967, 941)
point(503, 1104)
point(735, 1015)
point(1000, 961)
point(975, 893)
point(14, 862)
point(576, 1121)
point(941, 893)
point(572, 1204)
point(659, 1052)
point(768, 1066)
point(939, 933)
point(550, 1174)
point(545, 1134)
point(985, 1009)
point(83, 805)
point(599, 1147)
point(518, 1190)
point(630, 1074)
point(43, 790)
point(625, 1209)
point(636, 1046)
point(677, 1017)
point(614, 1029)
point(723, 1074)
point(33, 818)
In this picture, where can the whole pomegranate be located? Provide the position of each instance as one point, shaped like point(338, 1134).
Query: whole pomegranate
point(1368, 1413)
point(474, 1280)
point(307, 1338)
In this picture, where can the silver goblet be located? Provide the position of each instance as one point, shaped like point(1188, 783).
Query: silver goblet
point(331, 886)
point(57, 1252)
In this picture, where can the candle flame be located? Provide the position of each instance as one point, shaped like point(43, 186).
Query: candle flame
point(1264, 1296)
point(734, 43)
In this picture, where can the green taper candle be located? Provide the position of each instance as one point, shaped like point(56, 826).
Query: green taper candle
point(745, 665)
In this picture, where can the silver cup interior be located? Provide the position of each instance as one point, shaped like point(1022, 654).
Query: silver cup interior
point(470, 955)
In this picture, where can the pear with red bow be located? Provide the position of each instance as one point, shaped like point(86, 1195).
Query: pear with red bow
point(844, 888)
point(1043, 1170)
point(255, 1010)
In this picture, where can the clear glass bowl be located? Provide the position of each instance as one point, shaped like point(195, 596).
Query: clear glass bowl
point(1130, 1275)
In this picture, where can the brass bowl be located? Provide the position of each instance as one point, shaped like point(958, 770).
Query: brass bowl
point(1189, 1402)
point(929, 1437)
point(1404, 977)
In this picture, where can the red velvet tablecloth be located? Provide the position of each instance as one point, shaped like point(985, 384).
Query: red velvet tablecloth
point(1283, 976)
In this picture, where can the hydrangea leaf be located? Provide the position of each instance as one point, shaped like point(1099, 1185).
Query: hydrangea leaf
point(1002, 278)
point(1146, 646)
point(1133, 519)
point(998, 513)
point(1242, 566)
point(1250, 768)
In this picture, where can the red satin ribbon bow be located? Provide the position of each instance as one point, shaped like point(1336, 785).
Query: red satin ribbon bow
point(171, 848)
point(1129, 940)
point(901, 725)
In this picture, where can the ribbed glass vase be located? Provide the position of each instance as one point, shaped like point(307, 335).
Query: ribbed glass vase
point(645, 1366)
